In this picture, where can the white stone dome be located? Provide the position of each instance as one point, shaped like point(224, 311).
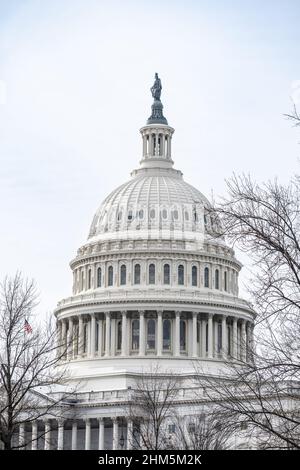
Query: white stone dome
point(155, 199)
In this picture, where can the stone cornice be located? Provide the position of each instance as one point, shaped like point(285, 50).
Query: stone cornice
point(147, 254)
point(170, 300)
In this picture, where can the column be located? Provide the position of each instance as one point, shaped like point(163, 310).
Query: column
point(58, 332)
point(215, 338)
point(224, 337)
point(210, 335)
point(113, 325)
point(124, 333)
point(251, 341)
point(93, 335)
point(203, 338)
point(129, 434)
point(144, 145)
point(74, 435)
point(162, 145)
point(34, 436)
point(159, 333)
point(70, 339)
point(87, 434)
point(22, 435)
point(243, 341)
point(101, 433)
point(100, 333)
point(194, 330)
point(80, 336)
point(47, 442)
point(88, 338)
point(63, 337)
point(115, 434)
point(60, 436)
point(177, 333)
point(234, 338)
point(142, 332)
point(107, 334)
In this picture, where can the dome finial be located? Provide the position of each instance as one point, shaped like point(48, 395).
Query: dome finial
point(157, 116)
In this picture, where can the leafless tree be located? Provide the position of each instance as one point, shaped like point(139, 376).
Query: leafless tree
point(204, 431)
point(29, 354)
point(294, 116)
point(157, 413)
point(263, 393)
point(151, 407)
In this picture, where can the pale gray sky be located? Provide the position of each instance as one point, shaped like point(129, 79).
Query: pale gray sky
point(74, 91)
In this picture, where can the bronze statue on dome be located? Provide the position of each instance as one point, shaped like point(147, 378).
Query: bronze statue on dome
point(156, 88)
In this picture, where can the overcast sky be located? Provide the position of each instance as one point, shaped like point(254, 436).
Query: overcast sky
point(74, 91)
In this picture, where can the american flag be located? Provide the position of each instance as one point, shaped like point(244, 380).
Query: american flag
point(27, 327)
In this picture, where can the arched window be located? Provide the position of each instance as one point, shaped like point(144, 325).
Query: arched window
point(206, 277)
point(181, 275)
point(99, 275)
point(182, 335)
point(151, 334)
point(217, 283)
point(151, 273)
point(167, 335)
point(194, 276)
point(89, 278)
point(119, 335)
point(123, 275)
point(135, 334)
point(137, 274)
point(225, 281)
point(166, 274)
point(110, 276)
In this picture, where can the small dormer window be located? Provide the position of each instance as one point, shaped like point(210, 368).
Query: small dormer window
point(164, 214)
point(130, 215)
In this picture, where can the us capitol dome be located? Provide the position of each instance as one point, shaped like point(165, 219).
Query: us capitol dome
point(155, 283)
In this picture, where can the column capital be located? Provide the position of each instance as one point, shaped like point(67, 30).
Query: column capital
point(87, 419)
point(124, 312)
point(210, 315)
point(100, 419)
point(195, 314)
point(160, 312)
point(177, 313)
point(60, 421)
point(141, 312)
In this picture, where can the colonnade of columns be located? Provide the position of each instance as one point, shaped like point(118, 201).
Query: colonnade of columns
point(187, 334)
point(157, 143)
point(50, 433)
